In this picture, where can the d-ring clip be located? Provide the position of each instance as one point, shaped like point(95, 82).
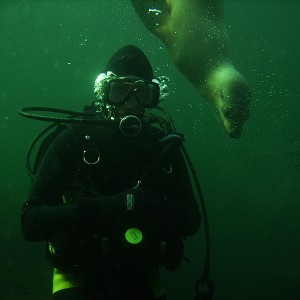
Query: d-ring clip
point(91, 156)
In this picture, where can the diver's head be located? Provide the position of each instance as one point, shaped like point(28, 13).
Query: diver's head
point(126, 86)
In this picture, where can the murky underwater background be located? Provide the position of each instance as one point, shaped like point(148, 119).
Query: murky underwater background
point(50, 54)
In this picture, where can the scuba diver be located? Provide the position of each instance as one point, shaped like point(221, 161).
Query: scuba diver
point(111, 193)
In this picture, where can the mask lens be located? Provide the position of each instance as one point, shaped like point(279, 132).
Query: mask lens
point(119, 91)
point(149, 95)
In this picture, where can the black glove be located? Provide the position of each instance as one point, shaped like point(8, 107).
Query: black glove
point(138, 204)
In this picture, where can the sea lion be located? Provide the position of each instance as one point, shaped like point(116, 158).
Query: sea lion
point(196, 38)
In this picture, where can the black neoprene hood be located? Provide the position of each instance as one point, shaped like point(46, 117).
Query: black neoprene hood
point(130, 60)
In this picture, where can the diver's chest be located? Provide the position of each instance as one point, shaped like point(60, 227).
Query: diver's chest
point(117, 161)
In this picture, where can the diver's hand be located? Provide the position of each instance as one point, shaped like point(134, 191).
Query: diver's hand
point(146, 202)
point(137, 203)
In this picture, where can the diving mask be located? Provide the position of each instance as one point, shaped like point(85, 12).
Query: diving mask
point(118, 91)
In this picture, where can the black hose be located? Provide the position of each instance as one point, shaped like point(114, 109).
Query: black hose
point(204, 286)
point(73, 117)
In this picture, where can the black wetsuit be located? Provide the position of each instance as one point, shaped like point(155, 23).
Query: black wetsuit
point(70, 170)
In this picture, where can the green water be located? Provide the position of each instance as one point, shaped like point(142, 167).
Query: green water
point(50, 54)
